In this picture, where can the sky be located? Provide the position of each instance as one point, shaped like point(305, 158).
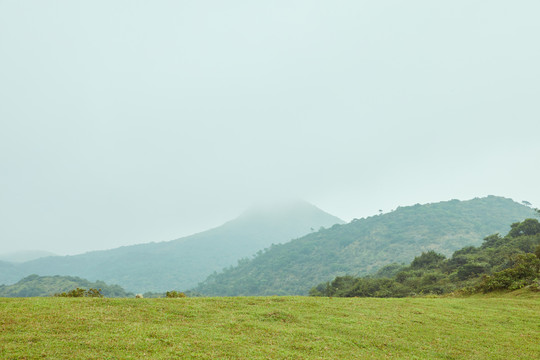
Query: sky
point(125, 122)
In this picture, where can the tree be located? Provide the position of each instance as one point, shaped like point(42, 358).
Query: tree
point(472, 270)
point(526, 227)
point(427, 260)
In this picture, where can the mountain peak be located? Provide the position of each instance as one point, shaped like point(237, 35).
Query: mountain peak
point(285, 208)
point(183, 263)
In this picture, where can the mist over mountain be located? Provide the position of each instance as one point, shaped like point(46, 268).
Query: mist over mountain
point(27, 255)
point(364, 245)
point(183, 263)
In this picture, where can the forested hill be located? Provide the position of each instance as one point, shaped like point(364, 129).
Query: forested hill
point(183, 263)
point(34, 285)
point(500, 264)
point(365, 245)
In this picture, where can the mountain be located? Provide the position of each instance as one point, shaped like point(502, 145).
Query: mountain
point(35, 285)
point(365, 245)
point(22, 256)
point(9, 272)
point(183, 263)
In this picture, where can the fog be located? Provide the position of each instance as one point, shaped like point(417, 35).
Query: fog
point(125, 122)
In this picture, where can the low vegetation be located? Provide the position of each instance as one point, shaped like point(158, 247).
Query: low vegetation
point(78, 292)
point(480, 327)
point(175, 294)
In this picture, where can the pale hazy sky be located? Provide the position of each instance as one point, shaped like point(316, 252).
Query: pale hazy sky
point(124, 122)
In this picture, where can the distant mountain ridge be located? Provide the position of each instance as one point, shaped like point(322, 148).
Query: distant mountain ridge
point(26, 255)
point(9, 273)
point(183, 263)
point(364, 245)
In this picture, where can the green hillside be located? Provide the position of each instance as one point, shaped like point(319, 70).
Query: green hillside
point(499, 264)
point(365, 245)
point(183, 263)
point(35, 285)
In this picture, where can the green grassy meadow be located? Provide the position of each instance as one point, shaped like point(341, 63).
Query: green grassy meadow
point(500, 327)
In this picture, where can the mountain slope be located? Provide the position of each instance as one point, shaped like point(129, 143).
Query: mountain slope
point(365, 245)
point(9, 272)
point(183, 263)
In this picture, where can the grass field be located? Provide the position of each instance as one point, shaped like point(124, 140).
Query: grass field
point(270, 328)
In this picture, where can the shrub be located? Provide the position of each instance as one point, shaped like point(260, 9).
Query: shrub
point(175, 294)
point(525, 272)
point(79, 292)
